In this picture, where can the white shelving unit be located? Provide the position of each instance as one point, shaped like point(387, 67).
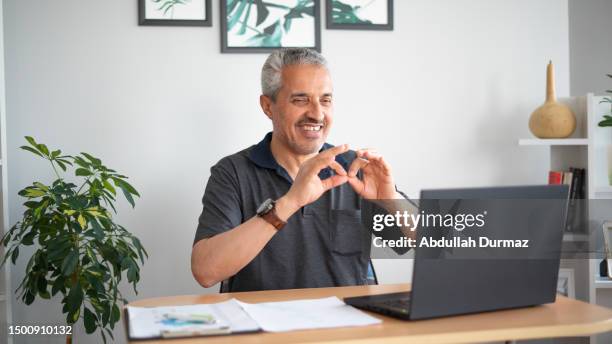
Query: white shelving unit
point(571, 237)
point(602, 282)
point(5, 281)
point(585, 149)
point(554, 142)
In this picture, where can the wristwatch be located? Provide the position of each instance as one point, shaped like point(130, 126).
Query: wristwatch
point(267, 211)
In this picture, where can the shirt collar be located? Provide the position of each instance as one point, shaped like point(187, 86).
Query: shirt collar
point(261, 155)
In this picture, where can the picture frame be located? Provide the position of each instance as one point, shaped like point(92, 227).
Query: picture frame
point(359, 15)
point(607, 236)
point(175, 12)
point(269, 25)
point(566, 284)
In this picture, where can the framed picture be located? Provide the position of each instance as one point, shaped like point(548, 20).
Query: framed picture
point(359, 14)
point(175, 12)
point(258, 26)
point(566, 284)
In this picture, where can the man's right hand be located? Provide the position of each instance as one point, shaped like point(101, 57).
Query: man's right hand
point(307, 186)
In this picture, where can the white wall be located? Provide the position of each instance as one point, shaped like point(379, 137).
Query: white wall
point(444, 96)
point(591, 51)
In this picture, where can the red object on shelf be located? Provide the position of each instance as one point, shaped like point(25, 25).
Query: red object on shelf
point(555, 177)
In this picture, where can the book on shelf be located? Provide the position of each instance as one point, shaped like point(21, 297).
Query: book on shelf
point(576, 209)
point(555, 177)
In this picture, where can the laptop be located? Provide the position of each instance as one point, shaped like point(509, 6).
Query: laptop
point(452, 281)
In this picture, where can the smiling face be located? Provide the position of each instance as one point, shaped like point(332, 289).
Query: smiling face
point(302, 114)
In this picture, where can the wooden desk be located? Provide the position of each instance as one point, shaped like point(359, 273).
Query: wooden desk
point(564, 318)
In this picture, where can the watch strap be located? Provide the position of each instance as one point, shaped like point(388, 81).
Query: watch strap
point(272, 218)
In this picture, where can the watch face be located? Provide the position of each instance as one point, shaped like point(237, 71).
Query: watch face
point(265, 207)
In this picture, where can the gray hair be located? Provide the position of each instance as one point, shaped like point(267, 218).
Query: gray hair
point(271, 70)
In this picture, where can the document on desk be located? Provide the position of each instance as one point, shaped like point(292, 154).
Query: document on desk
point(306, 314)
point(189, 321)
point(234, 316)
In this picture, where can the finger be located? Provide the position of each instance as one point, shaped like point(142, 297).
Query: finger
point(357, 185)
point(371, 154)
point(361, 152)
point(356, 165)
point(337, 168)
point(333, 151)
point(378, 161)
point(333, 181)
point(325, 158)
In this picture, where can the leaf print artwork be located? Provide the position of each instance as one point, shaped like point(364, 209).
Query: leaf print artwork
point(360, 14)
point(270, 23)
point(168, 5)
point(346, 14)
point(175, 9)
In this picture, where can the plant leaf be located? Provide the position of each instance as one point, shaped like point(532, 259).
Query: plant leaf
point(126, 186)
point(61, 165)
point(31, 141)
point(128, 197)
point(58, 285)
point(70, 262)
point(30, 149)
point(91, 158)
point(74, 298)
point(34, 193)
point(41, 186)
point(82, 172)
point(115, 314)
point(43, 149)
point(108, 186)
point(82, 221)
point(28, 298)
point(90, 320)
point(15, 255)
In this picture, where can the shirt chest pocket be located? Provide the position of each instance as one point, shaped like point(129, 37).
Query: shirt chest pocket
point(346, 231)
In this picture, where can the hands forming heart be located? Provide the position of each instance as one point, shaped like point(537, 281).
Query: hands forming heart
point(376, 182)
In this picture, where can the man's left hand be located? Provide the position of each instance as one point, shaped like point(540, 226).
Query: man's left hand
point(377, 181)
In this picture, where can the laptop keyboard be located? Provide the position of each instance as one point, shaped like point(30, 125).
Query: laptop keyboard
point(399, 308)
point(401, 303)
point(394, 304)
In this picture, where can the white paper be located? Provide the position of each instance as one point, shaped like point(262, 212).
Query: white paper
point(306, 314)
point(148, 322)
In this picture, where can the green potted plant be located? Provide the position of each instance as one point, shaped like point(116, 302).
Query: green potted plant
point(607, 122)
point(80, 252)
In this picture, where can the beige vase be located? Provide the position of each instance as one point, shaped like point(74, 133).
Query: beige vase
point(552, 120)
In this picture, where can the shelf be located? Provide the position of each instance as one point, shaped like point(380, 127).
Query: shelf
point(569, 237)
point(602, 282)
point(603, 190)
point(553, 142)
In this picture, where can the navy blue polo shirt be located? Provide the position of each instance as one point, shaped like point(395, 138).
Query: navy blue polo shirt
point(324, 244)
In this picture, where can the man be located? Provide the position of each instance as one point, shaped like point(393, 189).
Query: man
point(286, 213)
